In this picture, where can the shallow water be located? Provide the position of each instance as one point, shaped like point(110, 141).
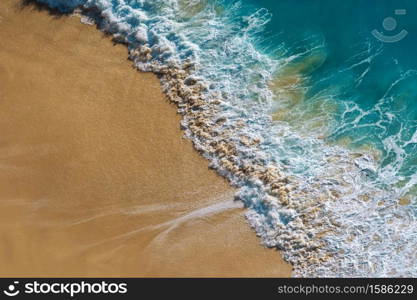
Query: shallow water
point(332, 105)
point(370, 84)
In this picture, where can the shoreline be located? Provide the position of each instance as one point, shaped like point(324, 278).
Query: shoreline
point(73, 154)
point(302, 193)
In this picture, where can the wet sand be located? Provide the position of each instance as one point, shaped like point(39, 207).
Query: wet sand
point(95, 178)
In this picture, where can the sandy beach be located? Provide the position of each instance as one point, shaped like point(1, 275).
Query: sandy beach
point(96, 179)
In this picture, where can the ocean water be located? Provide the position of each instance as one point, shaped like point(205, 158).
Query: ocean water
point(332, 103)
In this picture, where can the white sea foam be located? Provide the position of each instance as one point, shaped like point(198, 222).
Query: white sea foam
point(338, 219)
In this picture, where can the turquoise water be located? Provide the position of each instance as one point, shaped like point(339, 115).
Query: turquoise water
point(373, 84)
point(332, 106)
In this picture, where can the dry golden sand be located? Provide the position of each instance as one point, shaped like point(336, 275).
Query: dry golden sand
point(95, 178)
